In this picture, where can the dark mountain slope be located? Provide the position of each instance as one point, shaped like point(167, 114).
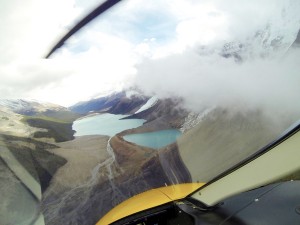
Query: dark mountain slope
point(168, 110)
point(98, 104)
point(117, 103)
point(57, 129)
point(128, 105)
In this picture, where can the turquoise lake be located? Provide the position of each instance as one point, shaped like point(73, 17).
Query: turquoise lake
point(155, 139)
point(110, 124)
point(104, 124)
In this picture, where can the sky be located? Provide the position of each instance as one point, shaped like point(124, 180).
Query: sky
point(166, 47)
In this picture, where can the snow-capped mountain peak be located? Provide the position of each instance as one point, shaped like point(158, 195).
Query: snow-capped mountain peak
point(28, 107)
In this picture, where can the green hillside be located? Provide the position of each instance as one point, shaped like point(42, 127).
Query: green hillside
point(60, 115)
point(58, 129)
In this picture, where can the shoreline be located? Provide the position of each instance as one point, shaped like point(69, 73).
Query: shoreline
point(89, 115)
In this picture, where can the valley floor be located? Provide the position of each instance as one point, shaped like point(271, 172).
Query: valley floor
point(83, 154)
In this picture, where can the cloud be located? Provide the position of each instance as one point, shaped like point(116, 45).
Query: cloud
point(28, 29)
point(159, 36)
point(208, 81)
point(89, 64)
point(246, 17)
point(20, 78)
point(266, 80)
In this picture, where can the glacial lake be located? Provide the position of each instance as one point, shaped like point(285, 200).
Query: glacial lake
point(155, 139)
point(104, 124)
point(110, 124)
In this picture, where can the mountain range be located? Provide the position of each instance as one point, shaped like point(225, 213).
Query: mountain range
point(116, 103)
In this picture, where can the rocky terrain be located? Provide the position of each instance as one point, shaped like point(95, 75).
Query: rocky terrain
point(98, 176)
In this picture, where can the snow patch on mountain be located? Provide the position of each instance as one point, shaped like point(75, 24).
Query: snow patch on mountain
point(150, 103)
point(271, 38)
point(14, 105)
point(20, 105)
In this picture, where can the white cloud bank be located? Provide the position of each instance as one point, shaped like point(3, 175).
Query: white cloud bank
point(30, 29)
point(152, 43)
point(216, 81)
point(267, 79)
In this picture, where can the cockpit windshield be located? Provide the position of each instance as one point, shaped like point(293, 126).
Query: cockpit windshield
point(146, 94)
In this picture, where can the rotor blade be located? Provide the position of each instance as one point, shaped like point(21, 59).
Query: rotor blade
point(96, 12)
